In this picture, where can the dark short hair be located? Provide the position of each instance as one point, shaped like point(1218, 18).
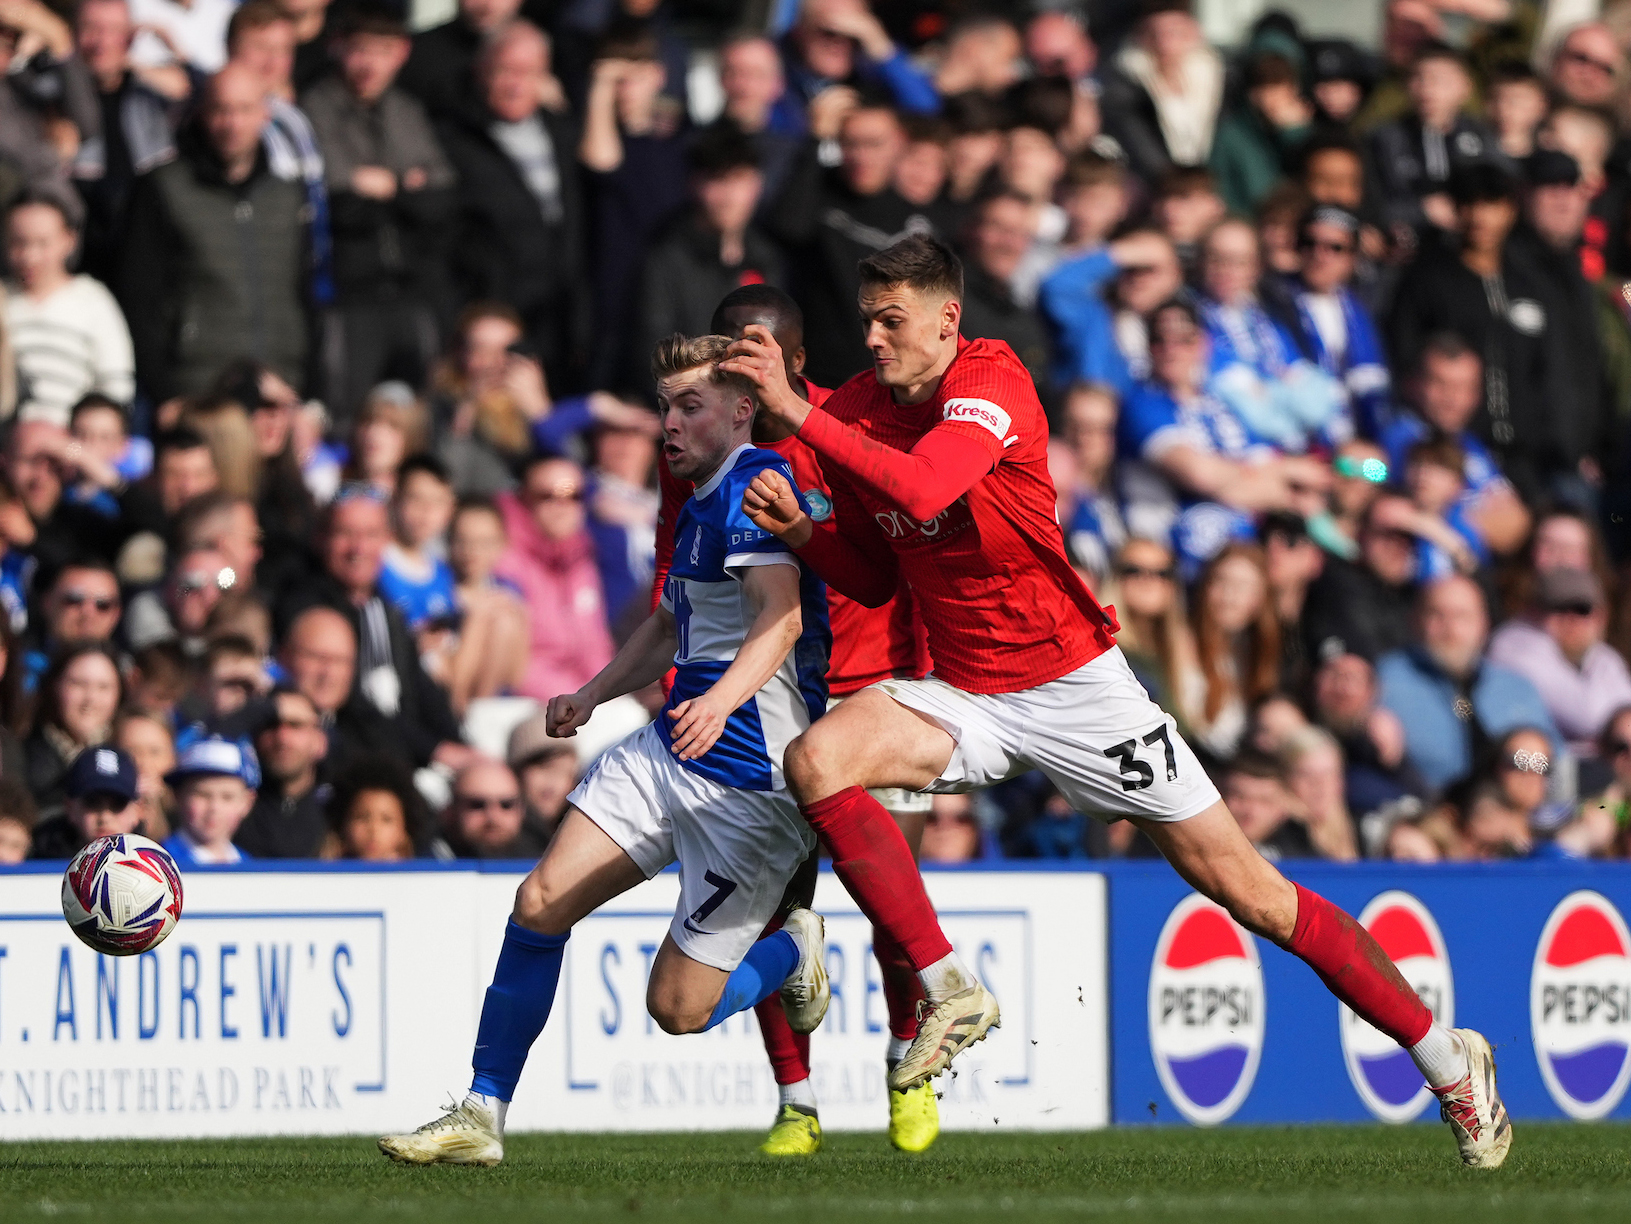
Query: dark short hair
point(1180, 303)
point(45, 197)
point(972, 111)
point(721, 151)
point(921, 262)
point(1269, 68)
point(1446, 346)
point(97, 402)
point(1185, 181)
point(480, 505)
point(1433, 49)
point(1440, 450)
point(1482, 183)
point(181, 438)
point(1514, 72)
point(372, 18)
point(426, 464)
point(253, 15)
point(1092, 169)
point(1044, 102)
point(1254, 764)
point(765, 300)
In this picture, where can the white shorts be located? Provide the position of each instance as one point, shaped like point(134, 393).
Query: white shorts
point(736, 848)
point(1095, 733)
point(896, 800)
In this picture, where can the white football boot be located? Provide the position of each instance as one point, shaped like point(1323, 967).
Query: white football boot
point(806, 992)
point(467, 1134)
point(945, 1030)
point(1473, 1107)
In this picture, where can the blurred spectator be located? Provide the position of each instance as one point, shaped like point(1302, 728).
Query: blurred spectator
point(1095, 193)
point(1339, 80)
point(551, 559)
point(375, 814)
point(104, 454)
point(982, 54)
point(486, 818)
point(415, 577)
point(713, 249)
point(547, 770)
point(757, 106)
point(1155, 633)
point(1447, 543)
point(1528, 416)
point(837, 47)
point(388, 675)
point(197, 581)
point(149, 743)
point(392, 425)
point(519, 235)
point(319, 655)
point(215, 262)
point(1185, 206)
point(1255, 790)
point(633, 148)
point(1292, 562)
point(1445, 392)
point(1219, 469)
point(830, 220)
point(1275, 720)
point(1237, 639)
point(36, 466)
point(98, 794)
point(1315, 777)
point(442, 70)
point(160, 676)
point(78, 697)
point(288, 819)
point(1452, 701)
point(80, 603)
point(1336, 326)
point(1588, 66)
point(17, 817)
point(391, 191)
point(1491, 827)
point(1602, 827)
point(1097, 303)
point(214, 783)
point(139, 106)
point(1090, 508)
point(952, 833)
point(47, 103)
point(1525, 771)
point(977, 135)
point(1558, 646)
point(1416, 155)
point(68, 335)
point(485, 397)
point(1257, 144)
point(1163, 95)
point(315, 29)
point(1002, 227)
point(1515, 105)
point(924, 168)
point(1257, 370)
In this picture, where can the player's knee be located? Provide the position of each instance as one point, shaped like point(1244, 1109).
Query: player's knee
point(809, 767)
point(539, 907)
point(673, 1012)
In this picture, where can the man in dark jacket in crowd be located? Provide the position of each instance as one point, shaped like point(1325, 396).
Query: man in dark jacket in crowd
point(518, 237)
point(1497, 299)
point(288, 819)
point(391, 198)
point(1363, 607)
point(1000, 233)
point(215, 262)
point(441, 72)
point(715, 248)
point(830, 220)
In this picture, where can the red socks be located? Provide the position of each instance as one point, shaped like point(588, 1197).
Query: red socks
point(789, 1051)
point(1355, 969)
point(871, 857)
point(901, 989)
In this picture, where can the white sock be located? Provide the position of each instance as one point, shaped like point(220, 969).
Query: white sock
point(1440, 1057)
point(798, 942)
point(497, 1107)
point(896, 1049)
point(946, 977)
point(800, 1094)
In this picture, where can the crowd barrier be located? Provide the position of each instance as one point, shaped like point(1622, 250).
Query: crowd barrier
point(328, 999)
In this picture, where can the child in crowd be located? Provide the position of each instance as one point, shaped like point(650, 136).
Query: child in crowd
point(920, 174)
point(17, 817)
point(1515, 106)
point(215, 784)
point(1447, 543)
point(104, 454)
point(1185, 207)
point(488, 655)
point(416, 577)
point(1094, 195)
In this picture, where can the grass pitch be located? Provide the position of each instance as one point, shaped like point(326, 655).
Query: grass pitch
point(1328, 1174)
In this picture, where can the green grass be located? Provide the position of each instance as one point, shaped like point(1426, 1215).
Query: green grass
point(1329, 1174)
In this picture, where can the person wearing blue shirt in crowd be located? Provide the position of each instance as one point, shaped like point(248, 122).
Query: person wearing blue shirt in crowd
point(415, 576)
point(214, 783)
point(1096, 303)
point(1446, 392)
point(1222, 473)
point(1337, 330)
point(840, 43)
point(1257, 369)
point(1452, 702)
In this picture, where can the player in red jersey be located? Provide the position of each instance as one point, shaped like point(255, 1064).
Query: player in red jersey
point(937, 463)
point(869, 644)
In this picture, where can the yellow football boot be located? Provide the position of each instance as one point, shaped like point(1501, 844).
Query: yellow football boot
point(795, 1132)
point(914, 1118)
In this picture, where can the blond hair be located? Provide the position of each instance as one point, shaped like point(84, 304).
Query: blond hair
point(676, 354)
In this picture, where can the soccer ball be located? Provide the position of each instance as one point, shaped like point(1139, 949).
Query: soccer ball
point(122, 895)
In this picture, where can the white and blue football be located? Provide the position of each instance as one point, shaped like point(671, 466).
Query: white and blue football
point(122, 895)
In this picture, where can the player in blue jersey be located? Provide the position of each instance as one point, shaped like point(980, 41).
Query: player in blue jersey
point(744, 626)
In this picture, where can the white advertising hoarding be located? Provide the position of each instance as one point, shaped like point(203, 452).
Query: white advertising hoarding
point(309, 1002)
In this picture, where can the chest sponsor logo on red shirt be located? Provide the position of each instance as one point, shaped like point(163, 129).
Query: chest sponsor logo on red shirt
point(906, 530)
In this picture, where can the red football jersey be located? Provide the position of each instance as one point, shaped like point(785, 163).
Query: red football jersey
point(1003, 606)
point(868, 644)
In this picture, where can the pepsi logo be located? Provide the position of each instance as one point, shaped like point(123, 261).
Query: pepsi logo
point(1206, 1011)
point(1580, 1005)
point(1382, 1072)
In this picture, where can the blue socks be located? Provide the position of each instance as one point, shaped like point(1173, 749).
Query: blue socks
point(761, 974)
point(517, 1004)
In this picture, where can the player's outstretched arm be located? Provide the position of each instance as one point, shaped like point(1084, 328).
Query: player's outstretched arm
point(644, 659)
point(758, 357)
point(772, 592)
point(871, 581)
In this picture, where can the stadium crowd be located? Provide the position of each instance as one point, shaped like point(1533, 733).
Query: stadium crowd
point(329, 442)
